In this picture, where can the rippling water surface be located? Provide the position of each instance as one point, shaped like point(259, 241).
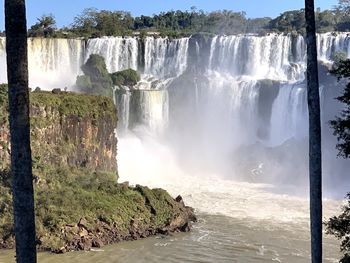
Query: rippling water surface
point(213, 239)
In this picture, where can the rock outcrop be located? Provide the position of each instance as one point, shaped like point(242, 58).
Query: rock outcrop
point(85, 236)
point(68, 129)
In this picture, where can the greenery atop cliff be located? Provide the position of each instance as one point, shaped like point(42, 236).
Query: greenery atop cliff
point(96, 23)
point(68, 103)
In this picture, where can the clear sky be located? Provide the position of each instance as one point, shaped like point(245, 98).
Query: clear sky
point(65, 10)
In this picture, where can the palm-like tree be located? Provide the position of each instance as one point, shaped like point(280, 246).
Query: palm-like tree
point(315, 158)
point(21, 161)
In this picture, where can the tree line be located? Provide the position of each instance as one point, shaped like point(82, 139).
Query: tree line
point(96, 23)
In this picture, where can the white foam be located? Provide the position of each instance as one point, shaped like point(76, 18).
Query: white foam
point(148, 162)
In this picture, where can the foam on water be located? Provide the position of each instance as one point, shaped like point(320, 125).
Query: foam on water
point(149, 162)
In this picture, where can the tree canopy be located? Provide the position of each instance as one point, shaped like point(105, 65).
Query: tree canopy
point(95, 23)
point(45, 27)
point(341, 124)
point(339, 226)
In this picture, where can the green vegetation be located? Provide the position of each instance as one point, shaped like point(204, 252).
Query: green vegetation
point(3, 104)
point(68, 103)
point(96, 23)
point(177, 23)
point(65, 195)
point(341, 125)
point(339, 226)
point(45, 27)
point(128, 77)
point(326, 21)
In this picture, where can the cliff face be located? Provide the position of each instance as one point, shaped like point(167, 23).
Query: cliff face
point(68, 129)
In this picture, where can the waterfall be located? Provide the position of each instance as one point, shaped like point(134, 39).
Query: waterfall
point(52, 62)
point(154, 106)
point(274, 56)
point(257, 57)
point(119, 53)
point(289, 114)
point(329, 43)
point(230, 109)
point(227, 88)
point(122, 101)
point(165, 58)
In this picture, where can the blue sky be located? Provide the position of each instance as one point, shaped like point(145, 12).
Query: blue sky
point(65, 10)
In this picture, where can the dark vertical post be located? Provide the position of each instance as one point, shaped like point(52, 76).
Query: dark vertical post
point(315, 158)
point(21, 161)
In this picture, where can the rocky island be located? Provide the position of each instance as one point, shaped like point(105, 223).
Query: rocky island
point(79, 203)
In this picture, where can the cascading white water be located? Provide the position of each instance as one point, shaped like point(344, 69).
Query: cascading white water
point(123, 53)
point(165, 58)
point(289, 114)
point(154, 105)
point(122, 101)
point(268, 57)
point(53, 63)
point(119, 53)
point(329, 43)
point(230, 108)
point(237, 59)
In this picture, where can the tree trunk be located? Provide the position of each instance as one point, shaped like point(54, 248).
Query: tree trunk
point(315, 161)
point(21, 161)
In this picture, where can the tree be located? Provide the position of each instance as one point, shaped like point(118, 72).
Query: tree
point(21, 161)
point(339, 226)
point(93, 22)
point(45, 27)
point(315, 158)
point(344, 6)
point(289, 21)
point(341, 124)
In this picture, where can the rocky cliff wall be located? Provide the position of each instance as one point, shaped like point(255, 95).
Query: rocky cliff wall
point(67, 129)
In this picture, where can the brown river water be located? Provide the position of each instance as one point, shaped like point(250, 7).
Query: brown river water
point(214, 238)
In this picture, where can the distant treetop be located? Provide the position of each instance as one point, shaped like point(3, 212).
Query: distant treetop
point(95, 23)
